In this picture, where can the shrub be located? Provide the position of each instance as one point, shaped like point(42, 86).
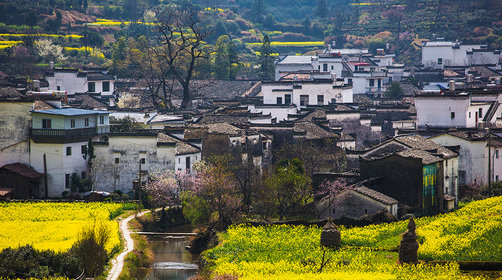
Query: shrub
point(90, 248)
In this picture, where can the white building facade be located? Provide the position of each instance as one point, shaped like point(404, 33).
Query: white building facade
point(301, 94)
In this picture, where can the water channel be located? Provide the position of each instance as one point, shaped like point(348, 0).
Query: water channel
point(171, 260)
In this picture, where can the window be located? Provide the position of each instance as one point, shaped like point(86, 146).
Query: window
point(83, 149)
point(91, 87)
point(496, 177)
point(46, 123)
point(58, 88)
point(106, 86)
point(101, 119)
point(496, 154)
point(287, 99)
point(480, 114)
point(349, 81)
point(469, 115)
point(84, 175)
point(279, 100)
point(440, 61)
point(452, 115)
point(67, 181)
point(304, 100)
point(117, 160)
point(446, 162)
point(379, 83)
point(143, 161)
point(333, 100)
point(325, 67)
point(332, 67)
point(365, 211)
point(320, 99)
point(187, 164)
point(319, 67)
point(86, 122)
point(72, 123)
point(68, 151)
point(372, 83)
point(446, 191)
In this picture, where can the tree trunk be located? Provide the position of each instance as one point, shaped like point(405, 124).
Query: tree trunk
point(187, 100)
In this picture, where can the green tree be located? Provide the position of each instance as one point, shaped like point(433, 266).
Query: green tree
point(291, 188)
point(257, 11)
point(394, 91)
point(266, 60)
point(321, 9)
point(226, 60)
point(119, 55)
point(92, 39)
point(307, 25)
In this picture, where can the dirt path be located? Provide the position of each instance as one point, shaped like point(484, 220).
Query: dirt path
point(118, 262)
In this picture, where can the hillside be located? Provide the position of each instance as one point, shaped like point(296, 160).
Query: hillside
point(300, 26)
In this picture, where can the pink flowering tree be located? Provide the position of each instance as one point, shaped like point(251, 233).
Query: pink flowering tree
point(333, 190)
point(162, 189)
point(211, 195)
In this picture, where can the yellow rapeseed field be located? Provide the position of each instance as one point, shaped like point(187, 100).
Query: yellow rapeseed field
point(473, 233)
point(53, 225)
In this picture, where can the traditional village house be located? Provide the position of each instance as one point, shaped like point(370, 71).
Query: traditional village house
point(439, 54)
point(415, 171)
point(58, 144)
point(120, 156)
point(473, 155)
point(355, 203)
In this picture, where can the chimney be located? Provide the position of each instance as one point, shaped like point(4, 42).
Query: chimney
point(333, 77)
point(36, 85)
point(51, 65)
point(451, 86)
point(470, 78)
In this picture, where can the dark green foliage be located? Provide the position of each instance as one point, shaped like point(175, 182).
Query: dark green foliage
point(25, 262)
point(266, 60)
point(394, 91)
point(125, 124)
point(321, 9)
point(90, 248)
point(92, 39)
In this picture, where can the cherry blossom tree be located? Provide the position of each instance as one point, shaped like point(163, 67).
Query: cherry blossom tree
point(162, 189)
point(332, 189)
point(212, 194)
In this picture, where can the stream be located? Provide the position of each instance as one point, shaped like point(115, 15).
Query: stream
point(171, 260)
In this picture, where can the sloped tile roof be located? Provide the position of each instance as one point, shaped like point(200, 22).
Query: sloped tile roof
point(422, 143)
point(426, 157)
point(182, 148)
point(375, 195)
point(23, 170)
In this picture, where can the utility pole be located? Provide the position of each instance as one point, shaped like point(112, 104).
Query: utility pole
point(139, 187)
point(489, 163)
point(45, 178)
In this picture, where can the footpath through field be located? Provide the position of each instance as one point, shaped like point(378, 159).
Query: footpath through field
point(118, 262)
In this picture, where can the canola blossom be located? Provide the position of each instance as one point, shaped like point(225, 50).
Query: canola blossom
point(90, 51)
point(54, 225)
point(294, 252)
point(40, 35)
point(291, 44)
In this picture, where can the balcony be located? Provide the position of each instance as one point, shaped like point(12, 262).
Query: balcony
point(66, 135)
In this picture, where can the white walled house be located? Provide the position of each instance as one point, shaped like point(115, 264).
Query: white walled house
point(15, 122)
point(120, 156)
point(304, 93)
point(69, 80)
point(439, 54)
point(74, 81)
point(62, 136)
point(449, 110)
point(473, 156)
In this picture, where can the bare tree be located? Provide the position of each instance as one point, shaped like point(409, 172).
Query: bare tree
point(182, 46)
